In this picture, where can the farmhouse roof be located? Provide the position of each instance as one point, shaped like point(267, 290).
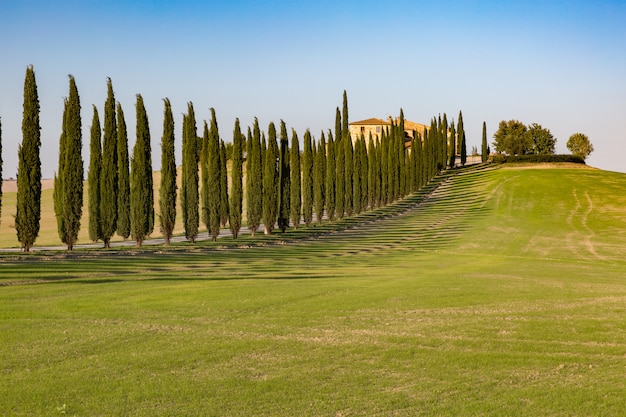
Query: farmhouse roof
point(372, 121)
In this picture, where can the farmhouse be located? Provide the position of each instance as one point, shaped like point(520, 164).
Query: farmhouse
point(375, 127)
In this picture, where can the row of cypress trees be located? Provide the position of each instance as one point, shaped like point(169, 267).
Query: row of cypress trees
point(335, 177)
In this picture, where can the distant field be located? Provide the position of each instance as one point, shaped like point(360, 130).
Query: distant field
point(503, 293)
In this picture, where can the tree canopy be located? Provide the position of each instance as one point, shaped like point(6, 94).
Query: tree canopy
point(579, 145)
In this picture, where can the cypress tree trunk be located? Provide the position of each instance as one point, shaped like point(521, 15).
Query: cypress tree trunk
point(308, 174)
point(270, 181)
point(295, 181)
point(224, 206)
point(123, 195)
point(236, 181)
point(330, 193)
point(189, 188)
point(141, 194)
point(93, 178)
point(167, 190)
point(73, 170)
point(109, 177)
point(213, 185)
point(254, 178)
point(319, 178)
point(28, 216)
point(284, 174)
point(484, 153)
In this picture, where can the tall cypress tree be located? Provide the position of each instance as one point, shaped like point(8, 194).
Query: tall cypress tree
point(345, 127)
point(204, 177)
point(71, 174)
point(236, 181)
point(338, 130)
point(284, 175)
point(93, 177)
point(57, 195)
point(189, 189)
point(295, 180)
point(356, 178)
point(141, 191)
point(123, 175)
point(372, 163)
point(452, 161)
point(462, 144)
point(254, 177)
point(167, 190)
point(348, 154)
point(364, 173)
point(383, 155)
point(224, 206)
point(214, 185)
point(109, 177)
point(308, 174)
point(484, 154)
point(28, 216)
point(270, 181)
point(319, 178)
point(331, 179)
point(340, 181)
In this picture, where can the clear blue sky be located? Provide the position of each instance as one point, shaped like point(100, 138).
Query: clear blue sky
point(561, 64)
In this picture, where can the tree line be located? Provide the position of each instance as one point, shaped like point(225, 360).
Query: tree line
point(333, 177)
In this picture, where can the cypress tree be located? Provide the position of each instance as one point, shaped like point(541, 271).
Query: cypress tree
point(401, 158)
point(28, 216)
point(364, 174)
point(331, 179)
point(452, 146)
point(338, 130)
point(58, 177)
point(224, 206)
point(93, 178)
point(356, 178)
point(462, 144)
point(295, 180)
point(348, 154)
point(308, 174)
point(254, 168)
point(384, 164)
point(204, 177)
point(123, 167)
point(372, 163)
point(213, 185)
point(109, 177)
point(270, 181)
point(236, 181)
point(319, 178)
point(345, 127)
point(411, 187)
point(189, 189)
point(167, 190)
point(72, 175)
point(484, 147)
point(443, 142)
point(340, 181)
point(141, 192)
point(284, 174)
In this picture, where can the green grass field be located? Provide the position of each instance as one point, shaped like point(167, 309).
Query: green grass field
point(502, 293)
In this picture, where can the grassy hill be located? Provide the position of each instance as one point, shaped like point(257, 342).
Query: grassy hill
point(501, 293)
